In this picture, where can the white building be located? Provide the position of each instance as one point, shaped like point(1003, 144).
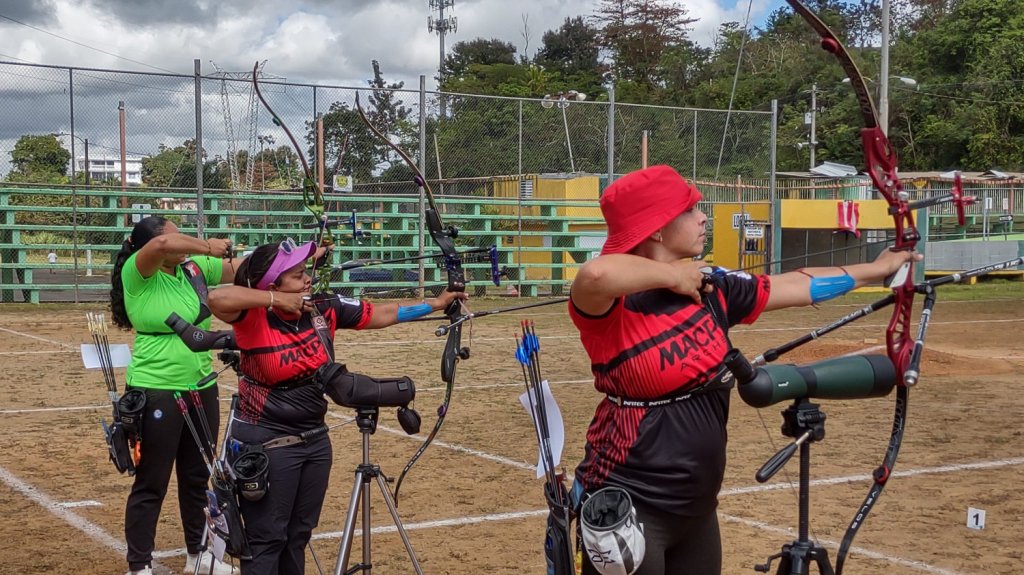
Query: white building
point(108, 168)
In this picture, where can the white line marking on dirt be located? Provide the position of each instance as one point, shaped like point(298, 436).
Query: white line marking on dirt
point(43, 409)
point(445, 444)
point(35, 337)
point(39, 352)
point(441, 523)
point(919, 565)
point(86, 503)
point(69, 517)
point(994, 464)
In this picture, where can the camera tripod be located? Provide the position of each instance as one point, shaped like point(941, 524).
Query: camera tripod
point(804, 422)
point(366, 420)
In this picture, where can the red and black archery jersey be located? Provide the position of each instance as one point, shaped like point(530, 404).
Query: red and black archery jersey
point(659, 344)
point(279, 358)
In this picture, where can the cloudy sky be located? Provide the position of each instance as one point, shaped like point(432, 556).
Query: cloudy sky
point(324, 41)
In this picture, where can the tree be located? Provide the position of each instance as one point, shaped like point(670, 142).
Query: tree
point(479, 51)
point(39, 159)
point(571, 49)
point(365, 156)
point(176, 168)
point(638, 33)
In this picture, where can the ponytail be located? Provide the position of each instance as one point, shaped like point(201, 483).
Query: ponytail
point(147, 229)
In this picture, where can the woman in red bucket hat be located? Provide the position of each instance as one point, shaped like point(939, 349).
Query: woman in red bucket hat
point(656, 330)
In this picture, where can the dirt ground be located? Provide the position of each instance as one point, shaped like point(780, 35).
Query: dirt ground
point(472, 504)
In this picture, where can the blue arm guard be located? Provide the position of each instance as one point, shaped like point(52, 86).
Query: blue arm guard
point(405, 313)
point(831, 287)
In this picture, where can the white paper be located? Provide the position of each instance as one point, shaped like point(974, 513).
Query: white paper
point(120, 355)
point(556, 428)
point(975, 518)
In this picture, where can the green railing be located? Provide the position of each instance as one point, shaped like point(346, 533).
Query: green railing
point(538, 241)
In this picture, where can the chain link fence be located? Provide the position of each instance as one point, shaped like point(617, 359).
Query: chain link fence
point(103, 147)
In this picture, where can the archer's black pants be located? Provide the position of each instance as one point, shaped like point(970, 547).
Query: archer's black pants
point(676, 544)
point(280, 524)
point(167, 443)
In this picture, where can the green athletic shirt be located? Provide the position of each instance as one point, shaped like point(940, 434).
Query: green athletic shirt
point(163, 361)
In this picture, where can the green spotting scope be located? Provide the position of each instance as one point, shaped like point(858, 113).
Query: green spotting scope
point(851, 377)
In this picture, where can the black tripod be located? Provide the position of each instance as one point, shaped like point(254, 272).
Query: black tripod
point(366, 420)
point(804, 422)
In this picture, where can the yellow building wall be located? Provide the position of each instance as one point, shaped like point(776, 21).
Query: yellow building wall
point(726, 240)
point(575, 188)
point(821, 214)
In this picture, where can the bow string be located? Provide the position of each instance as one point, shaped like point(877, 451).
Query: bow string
point(312, 197)
point(444, 237)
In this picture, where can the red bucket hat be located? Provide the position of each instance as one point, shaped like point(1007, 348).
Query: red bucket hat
point(641, 203)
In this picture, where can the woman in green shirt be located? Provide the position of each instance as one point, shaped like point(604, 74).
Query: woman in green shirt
point(150, 280)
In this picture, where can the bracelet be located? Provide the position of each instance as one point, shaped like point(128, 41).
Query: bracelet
point(209, 248)
point(271, 306)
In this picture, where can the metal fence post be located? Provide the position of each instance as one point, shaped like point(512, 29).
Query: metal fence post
point(776, 207)
point(74, 186)
point(423, 169)
point(200, 218)
point(611, 132)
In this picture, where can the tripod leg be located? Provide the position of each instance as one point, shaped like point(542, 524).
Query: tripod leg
point(820, 556)
point(398, 523)
point(341, 565)
point(316, 560)
point(367, 554)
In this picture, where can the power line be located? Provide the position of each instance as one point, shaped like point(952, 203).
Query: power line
point(83, 45)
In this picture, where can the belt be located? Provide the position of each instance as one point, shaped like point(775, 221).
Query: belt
point(721, 380)
point(293, 439)
point(285, 386)
point(285, 440)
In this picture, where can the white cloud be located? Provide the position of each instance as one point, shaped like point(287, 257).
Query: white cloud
point(303, 40)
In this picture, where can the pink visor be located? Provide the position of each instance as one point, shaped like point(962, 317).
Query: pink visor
point(288, 256)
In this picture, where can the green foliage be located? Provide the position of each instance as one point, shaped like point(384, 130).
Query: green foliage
point(40, 160)
point(350, 148)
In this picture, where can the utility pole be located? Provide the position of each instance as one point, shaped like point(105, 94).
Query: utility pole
point(814, 121)
point(441, 25)
point(883, 75)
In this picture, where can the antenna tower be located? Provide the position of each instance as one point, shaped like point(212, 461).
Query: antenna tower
point(442, 25)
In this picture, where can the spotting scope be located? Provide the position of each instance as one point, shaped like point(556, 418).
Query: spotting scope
point(850, 377)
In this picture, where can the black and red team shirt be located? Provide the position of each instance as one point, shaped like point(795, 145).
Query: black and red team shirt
point(657, 344)
point(279, 357)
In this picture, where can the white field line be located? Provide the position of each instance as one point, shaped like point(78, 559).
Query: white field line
point(738, 329)
point(71, 518)
point(101, 536)
point(919, 565)
point(28, 335)
point(93, 530)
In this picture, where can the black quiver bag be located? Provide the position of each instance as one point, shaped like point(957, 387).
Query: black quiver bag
point(118, 448)
point(236, 543)
point(558, 547)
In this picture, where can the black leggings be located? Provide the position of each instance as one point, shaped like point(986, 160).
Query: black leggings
point(281, 523)
point(676, 544)
point(167, 443)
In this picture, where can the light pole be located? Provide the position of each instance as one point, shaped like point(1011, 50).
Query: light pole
point(562, 99)
point(609, 79)
point(883, 96)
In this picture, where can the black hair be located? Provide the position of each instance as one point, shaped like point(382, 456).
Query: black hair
point(253, 268)
point(147, 229)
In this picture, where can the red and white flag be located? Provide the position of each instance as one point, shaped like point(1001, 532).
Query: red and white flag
point(847, 217)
